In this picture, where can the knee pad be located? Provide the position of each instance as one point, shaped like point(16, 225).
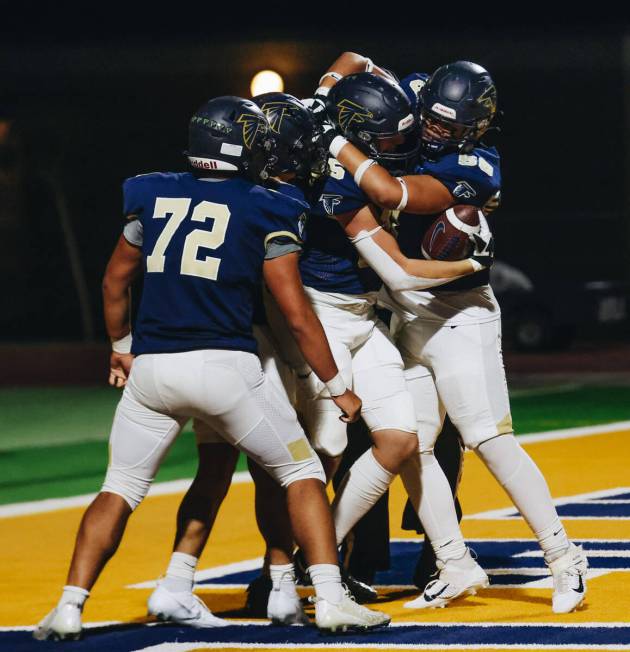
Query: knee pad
point(395, 412)
point(304, 470)
point(124, 483)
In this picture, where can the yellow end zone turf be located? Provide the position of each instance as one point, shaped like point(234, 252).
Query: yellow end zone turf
point(37, 548)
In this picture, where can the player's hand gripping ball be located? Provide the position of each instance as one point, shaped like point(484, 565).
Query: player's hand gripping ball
point(450, 236)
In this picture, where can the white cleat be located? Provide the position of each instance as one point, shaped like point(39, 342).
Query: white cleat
point(60, 624)
point(457, 577)
point(347, 616)
point(184, 608)
point(569, 587)
point(284, 608)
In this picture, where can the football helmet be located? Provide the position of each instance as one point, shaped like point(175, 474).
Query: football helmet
point(457, 105)
point(296, 136)
point(230, 134)
point(375, 115)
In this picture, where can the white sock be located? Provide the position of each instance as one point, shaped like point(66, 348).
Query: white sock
point(180, 574)
point(431, 497)
point(364, 483)
point(553, 541)
point(326, 579)
point(73, 595)
point(283, 577)
point(526, 486)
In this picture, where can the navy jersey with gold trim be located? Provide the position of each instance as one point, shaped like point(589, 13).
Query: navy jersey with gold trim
point(203, 247)
point(330, 263)
point(472, 178)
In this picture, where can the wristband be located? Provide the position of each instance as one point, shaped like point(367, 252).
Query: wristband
point(476, 265)
point(123, 345)
point(336, 385)
point(335, 75)
point(362, 169)
point(336, 145)
point(405, 195)
point(322, 91)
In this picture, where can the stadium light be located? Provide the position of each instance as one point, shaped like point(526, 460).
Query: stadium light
point(266, 81)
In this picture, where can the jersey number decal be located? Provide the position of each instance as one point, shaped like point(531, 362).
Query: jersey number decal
point(178, 209)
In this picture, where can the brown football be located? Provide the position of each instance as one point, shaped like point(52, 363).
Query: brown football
point(448, 237)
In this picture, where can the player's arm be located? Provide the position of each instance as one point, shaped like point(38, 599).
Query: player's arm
point(283, 280)
point(348, 63)
point(415, 193)
point(123, 267)
point(382, 253)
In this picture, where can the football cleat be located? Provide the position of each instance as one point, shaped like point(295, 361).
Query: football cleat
point(347, 616)
point(456, 577)
point(62, 623)
point(183, 607)
point(285, 608)
point(569, 587)
point(258, 596)
point(361, 591)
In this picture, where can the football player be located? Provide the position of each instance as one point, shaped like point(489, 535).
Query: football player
point(297, 156)
point(208, 238)
point(450, 337)
point(342, 290)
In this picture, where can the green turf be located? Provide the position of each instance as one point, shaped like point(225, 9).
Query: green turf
point(77, 420)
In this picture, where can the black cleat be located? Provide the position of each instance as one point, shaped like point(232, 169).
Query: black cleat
point(361, 591)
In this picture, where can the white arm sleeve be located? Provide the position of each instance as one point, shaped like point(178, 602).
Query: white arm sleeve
point(390, 272)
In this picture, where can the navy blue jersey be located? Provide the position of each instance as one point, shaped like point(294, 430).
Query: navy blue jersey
point(330, 263)
point(471, 178)
point(203, 247)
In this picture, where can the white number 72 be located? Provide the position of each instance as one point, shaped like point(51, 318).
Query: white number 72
point(178, 209)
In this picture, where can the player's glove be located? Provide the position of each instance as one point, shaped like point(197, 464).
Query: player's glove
point(329, 132)
point(483, 253)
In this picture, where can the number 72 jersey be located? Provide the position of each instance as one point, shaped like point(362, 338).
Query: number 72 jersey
point(203, 246)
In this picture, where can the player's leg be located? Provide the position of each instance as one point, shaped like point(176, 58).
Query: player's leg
point(256, 417)
point(173, 598)
point(389, 414)
point(139, 439)
point(471, 381)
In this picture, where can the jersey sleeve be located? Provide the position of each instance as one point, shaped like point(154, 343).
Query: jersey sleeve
point(471, 178)
point(340, 193)
point(285, 218)
point(133, 197)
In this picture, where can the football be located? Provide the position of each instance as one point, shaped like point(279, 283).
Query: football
point(448, 237)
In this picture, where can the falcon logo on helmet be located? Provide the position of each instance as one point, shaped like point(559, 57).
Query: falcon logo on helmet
point(350, 113)
point(251, 124)
point(275, 113)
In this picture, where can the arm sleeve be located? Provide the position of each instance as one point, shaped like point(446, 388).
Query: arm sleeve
point(390, 272)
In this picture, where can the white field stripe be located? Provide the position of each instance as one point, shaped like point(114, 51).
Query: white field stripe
point(211, 573)
point(571, 433)
point(508, 512)
point(54, 504)
point(177, 486)
point(545, 391)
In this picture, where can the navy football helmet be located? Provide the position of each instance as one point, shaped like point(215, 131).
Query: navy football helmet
point(230, 134)
point(296, 136)
point(458, 103)
point(374, 113)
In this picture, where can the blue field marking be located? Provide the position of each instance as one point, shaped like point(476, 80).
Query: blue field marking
point(138, 637)
point(611, 504)
point(522, 557)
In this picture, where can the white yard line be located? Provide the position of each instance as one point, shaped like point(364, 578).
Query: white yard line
point(179, 486)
